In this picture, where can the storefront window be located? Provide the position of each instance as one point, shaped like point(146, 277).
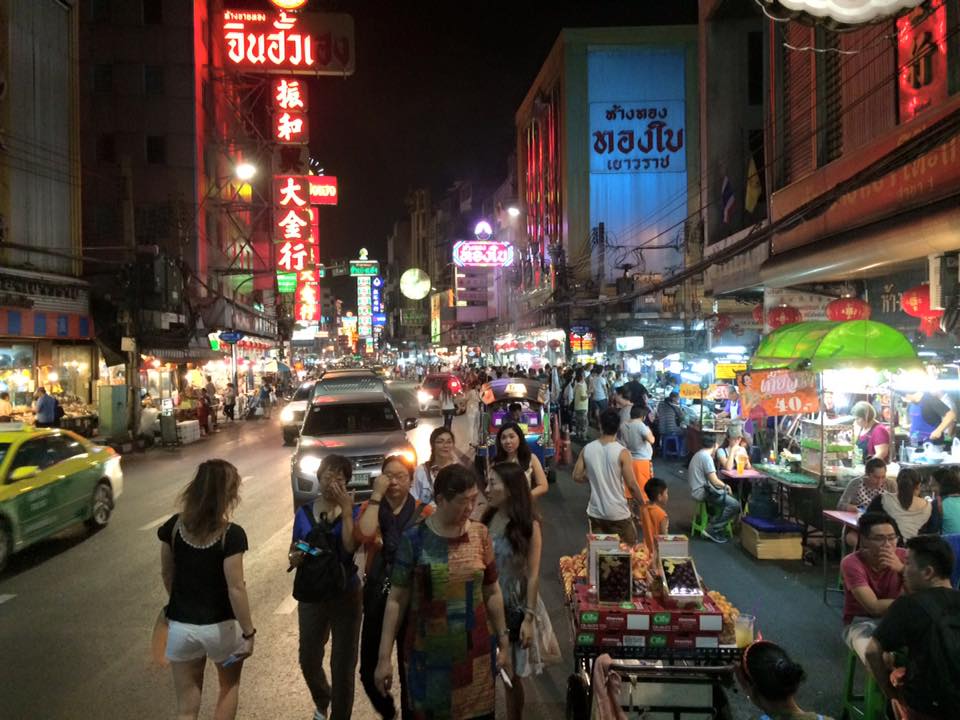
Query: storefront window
point(17, 364)
point(71, 372)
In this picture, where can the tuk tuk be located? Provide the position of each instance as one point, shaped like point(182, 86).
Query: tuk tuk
point(496, 397)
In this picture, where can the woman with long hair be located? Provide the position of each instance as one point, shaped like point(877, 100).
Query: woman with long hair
point(384, 518)
point(444, 582)
point(443, 452)
point(911, 512)
point(512, 448)
point(201, 560)
point(514, 528)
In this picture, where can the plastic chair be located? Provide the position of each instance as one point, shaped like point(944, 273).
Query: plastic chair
point(871, 705)
point(701, 520)
point(673, 446)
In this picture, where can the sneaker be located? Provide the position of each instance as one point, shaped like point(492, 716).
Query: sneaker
point(319, 716)
point(716, 538)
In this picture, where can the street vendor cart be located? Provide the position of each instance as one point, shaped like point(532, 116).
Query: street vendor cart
point(533, 396)
point(673, 643)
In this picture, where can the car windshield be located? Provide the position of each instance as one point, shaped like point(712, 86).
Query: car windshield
point(4, 448)
point(350, 418)
point(434, 382)
point(303, 392)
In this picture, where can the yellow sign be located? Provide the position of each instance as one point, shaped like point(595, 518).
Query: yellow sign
point(728, 371)
point(691, 391)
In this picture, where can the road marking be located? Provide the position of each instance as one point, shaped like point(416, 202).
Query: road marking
point(287, 606)
point(4, 598)
point(154, 523)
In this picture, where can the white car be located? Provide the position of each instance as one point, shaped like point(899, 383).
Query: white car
point(291, 417)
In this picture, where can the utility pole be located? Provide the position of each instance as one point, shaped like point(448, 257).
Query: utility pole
point(130, 329)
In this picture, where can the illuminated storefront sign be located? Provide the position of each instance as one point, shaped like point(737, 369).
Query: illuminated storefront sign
point(628, 344)
point(637, 137)
point(922, 58)
point(291, 190)
point(307, 43)
point(307, 299)
point(376, 299)
point(295, 225)
point(364, 268)
point(582, 340)
point(291, 128)
point(482, 253)
point(364, 310)
point(323, 190)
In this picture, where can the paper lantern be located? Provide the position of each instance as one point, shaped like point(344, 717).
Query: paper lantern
point(783, 315)
point(847, 308)
point(916, 303)
point(758, 314)
point(555, 344)
point(528, 345)
point(541, 344)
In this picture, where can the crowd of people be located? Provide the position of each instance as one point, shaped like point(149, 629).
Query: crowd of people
point(449, 585)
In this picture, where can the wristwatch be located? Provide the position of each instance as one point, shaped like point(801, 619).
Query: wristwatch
point(245, 636)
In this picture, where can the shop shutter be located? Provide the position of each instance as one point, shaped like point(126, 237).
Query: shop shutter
point(829, 98)
point(799, 103)
point(868, 88)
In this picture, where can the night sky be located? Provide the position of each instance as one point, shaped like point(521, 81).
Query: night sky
point(434, 96)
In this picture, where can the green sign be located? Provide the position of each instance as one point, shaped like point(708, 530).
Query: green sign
point(359, 268)
point(286, 282)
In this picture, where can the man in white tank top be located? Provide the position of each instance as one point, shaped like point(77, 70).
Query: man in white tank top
point(607, 466)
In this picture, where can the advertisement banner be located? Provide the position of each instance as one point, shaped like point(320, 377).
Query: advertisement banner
point(637, 136)
point(765, 393)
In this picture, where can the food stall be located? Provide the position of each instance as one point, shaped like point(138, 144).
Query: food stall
point(674, 642)
point(530, 349)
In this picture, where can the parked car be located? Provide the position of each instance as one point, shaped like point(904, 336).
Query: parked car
point(52, 479)
point(349, 381)
point(363, 426)
point(428, 395)
point(291, 417)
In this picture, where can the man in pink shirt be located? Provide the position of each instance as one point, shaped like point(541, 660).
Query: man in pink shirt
point(872, 579)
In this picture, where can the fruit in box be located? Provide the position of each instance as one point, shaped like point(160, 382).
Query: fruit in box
point(614, 577)
point(730, 615)
point(680, 578)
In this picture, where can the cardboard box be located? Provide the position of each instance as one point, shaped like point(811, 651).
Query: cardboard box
point(597, 544)
point(673, 546)
point(679, 641)
point(646, 615)
point(771, 546)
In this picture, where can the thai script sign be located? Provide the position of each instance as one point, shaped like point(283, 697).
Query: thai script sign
point(637, 137)
point(303, 44)
point(482, 253)
point(766, 393)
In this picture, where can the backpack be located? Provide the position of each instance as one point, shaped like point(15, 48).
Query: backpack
point(943, 649)
point(322, 576)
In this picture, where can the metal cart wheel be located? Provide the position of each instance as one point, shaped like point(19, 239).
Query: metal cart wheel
point(578, 698)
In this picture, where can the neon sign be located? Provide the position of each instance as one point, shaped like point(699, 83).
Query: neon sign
point(307, 299)
point(482, 253)
point(324, 190)
point(922, 58)
point(307, 43)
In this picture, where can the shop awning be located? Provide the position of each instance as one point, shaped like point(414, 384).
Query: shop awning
point(824, 345)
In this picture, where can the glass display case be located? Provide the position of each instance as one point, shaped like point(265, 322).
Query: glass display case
point(836, 455)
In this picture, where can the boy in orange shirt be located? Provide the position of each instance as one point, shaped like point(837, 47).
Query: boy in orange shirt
point(653, 515)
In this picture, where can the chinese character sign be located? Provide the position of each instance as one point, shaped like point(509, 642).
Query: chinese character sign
point(291, 128)
point(637, 137)
point(922, 58)
point(376, 299)
point(307, 299)
point(307, 43)
point(364, 307)
point(289, 95)
point(482, 253)
point(291, 191)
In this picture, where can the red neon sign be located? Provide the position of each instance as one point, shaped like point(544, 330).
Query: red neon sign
point(289, 95)
point(307, 43)
point(482, 253)
point(307, 298)
point(922, 58)
point(291, 128)
point(323, 189)
point(291, 191)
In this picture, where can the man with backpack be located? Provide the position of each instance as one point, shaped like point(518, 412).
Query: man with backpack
point(926, 622)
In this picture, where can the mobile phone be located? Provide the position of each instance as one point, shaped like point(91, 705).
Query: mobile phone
point(233, 659)
point(505, 678)
point(309, 549)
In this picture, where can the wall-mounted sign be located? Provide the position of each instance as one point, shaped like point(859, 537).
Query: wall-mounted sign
point(778, 392)
point(291, 128)
point(307, 299)
point(922, 58)
point(323, 190)
point(637, 137)
point(482, 253)
point(307, 43)
point(728, 371)
point(582, 340)
point(626, 344)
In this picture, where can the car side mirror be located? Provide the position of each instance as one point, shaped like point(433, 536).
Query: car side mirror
point(411, 423)
point(24, 472)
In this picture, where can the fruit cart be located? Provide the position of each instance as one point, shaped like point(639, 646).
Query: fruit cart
point(672, 643)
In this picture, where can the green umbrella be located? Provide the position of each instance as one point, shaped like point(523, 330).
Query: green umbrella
point(825, 345)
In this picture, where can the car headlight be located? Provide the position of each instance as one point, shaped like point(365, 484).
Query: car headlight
point(287, 415)
point(424, 397)
point(408, 454)
point(309, 464)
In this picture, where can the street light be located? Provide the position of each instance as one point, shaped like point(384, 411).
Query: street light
point(245, 171)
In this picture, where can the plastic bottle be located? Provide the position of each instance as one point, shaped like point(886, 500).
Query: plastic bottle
point(955, 447)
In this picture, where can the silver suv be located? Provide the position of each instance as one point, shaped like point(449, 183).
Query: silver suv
point(363, 427)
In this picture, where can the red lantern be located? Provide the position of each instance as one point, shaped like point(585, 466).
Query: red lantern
point(554, 344)
point(916, 303)
point(512, 345)
point(496, 347)
point(541, 344)
point(528, 345)
point(848, 308)
point(783, 315)
point(758, 314)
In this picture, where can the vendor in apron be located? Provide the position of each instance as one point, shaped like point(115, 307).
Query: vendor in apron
point(930, 416)
point(872, 438)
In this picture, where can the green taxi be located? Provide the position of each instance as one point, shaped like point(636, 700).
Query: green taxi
point(50, 479)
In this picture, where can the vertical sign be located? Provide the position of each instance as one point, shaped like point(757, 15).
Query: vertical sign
point(290, 125)
point(296, 245)
point(922, 58)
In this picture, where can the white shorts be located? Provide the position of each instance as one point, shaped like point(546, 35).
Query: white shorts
point(191, 642)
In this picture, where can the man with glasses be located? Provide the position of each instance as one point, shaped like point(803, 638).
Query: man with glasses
point(872, 579)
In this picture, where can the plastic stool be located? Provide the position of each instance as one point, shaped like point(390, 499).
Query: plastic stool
point(869, 706)
point(673, 446)
point(701, 520)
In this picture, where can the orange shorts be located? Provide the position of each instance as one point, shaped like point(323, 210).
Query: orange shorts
point(643, 471)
